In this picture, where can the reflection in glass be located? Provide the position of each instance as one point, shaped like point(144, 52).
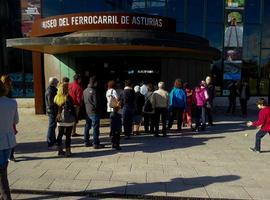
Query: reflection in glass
point(235, 3)
point(251, 44)
point(252, 11)
point(216, 40)
point(234, 32)
point(214, 11)
point(176, 9)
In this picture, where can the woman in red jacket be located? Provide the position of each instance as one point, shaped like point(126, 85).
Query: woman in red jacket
point(263, 122)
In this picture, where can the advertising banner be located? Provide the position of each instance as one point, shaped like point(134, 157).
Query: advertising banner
point(30, 11)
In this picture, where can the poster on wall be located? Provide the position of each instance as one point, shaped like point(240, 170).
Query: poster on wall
point(233, 36)
point(235, 4)
point(30, 11)
point(232, 70)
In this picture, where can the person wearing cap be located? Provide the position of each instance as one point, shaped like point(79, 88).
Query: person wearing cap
point(76, 93)
point(51, 111)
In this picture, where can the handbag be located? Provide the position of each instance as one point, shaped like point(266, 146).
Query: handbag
point(148, 107)
point(64, 115)
point(113, 102)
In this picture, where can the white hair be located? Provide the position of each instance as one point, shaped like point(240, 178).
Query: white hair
point(137, 88)
point(161, 85)
point(53, 81)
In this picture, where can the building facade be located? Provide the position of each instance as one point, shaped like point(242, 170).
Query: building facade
point(239, 29)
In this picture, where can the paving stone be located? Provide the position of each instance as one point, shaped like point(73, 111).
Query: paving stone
point(107, 187)
point(156, 189)
point(138, 177)
point(33, 184)
point(35, 196)
point(181, 190)
point(61, 174)
point(94, 175)
point(258, 193)
point(219, 191)
point(63, 185)
point(215, 163)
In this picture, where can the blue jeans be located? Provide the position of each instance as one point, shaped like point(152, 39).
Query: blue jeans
point(200, 115)
point(51, 139)
point(4, 156)
point(259, 135)
point(92, 121)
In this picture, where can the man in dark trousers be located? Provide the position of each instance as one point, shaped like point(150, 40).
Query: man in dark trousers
point(211, 93)
point(92, 103)
point(51, 111)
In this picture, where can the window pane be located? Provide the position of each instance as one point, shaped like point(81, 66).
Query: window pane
point(264, 72)
point(252, 11)
point(251, 43)
point(156, 7)
point(214, 33)
point(215, 10)
point(266, 26)
point(180, 27)
point(195, 19)
point(176, 9)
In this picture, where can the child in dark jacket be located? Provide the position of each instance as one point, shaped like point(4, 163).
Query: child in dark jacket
point(263, 122)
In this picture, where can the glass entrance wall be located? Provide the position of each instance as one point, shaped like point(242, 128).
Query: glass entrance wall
point(250, 51)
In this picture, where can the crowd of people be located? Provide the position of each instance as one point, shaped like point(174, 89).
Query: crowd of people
point(128, 107)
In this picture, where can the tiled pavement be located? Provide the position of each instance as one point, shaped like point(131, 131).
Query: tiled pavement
point(213, 164)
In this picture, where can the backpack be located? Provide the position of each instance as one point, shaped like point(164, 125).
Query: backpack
point(64, 115)
point(148, 107)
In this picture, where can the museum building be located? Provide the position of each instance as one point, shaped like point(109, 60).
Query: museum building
point(147, 40)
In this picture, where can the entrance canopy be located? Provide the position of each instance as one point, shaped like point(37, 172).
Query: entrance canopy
point(119, 40)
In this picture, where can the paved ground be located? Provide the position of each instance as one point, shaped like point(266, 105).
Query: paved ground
point(215, 164)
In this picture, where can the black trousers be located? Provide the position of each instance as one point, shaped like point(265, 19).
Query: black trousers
point(116, 128)
point(4, 185)
point(62, 130)
point(232, 105)
point(160, 112)
point(176, 112)
point(149, 121)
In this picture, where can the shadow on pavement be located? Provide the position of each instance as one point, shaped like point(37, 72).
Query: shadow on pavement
point(144, 143)
point(139, 190)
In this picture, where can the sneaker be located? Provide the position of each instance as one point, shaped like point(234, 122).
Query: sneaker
point(254, 150)
point(88, 144)
point(54, 147)
point(116, 147)
point(12, 159)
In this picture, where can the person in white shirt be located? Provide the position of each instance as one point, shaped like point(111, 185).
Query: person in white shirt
point(113, 109)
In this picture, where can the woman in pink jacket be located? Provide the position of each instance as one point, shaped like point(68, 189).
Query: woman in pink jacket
point(200, 98)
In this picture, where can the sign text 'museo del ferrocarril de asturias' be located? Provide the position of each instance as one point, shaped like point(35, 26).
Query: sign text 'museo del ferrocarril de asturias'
point(102, 20)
